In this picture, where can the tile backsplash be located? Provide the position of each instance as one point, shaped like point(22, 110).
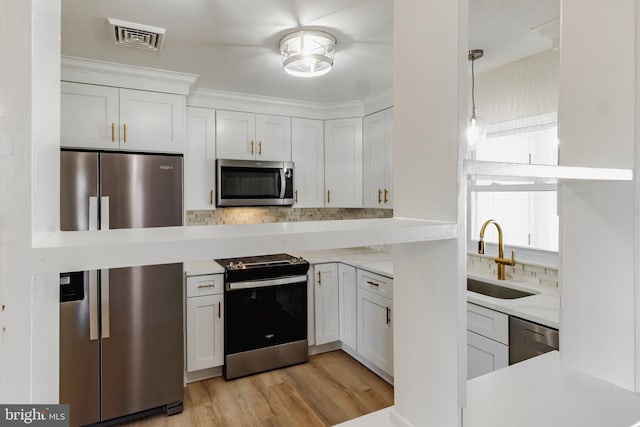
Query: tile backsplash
point(532, 274)
point(256, 215)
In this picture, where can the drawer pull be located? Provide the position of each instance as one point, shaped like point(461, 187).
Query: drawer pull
point(213, 285)
point(373, 283)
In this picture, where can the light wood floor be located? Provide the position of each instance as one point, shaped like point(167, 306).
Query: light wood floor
point(329, 389)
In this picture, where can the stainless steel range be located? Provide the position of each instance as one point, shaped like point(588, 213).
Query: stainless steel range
point(265, 324)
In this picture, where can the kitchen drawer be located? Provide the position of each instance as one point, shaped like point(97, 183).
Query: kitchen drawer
point(375, 283)
point(208, 284)
point(488, 323)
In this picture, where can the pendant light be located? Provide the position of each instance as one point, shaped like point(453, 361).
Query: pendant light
point(477, 128)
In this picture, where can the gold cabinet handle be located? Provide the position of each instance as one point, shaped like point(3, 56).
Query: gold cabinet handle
point(386, 195)
point(125, 133)
point(319, 278)
point(328, 196)
point(113, 132)
point(296, 196)
point(388, 315)
point(218, 310)
point(211, 197)
point(379, 195)
point(260, 148)
point(213, 285)
point(252, 146)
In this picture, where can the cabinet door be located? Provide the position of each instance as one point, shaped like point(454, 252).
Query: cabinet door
point(326, 301)
point(311, 312)
point(377, 160)
point(347, 304)
point(273, 136)
point(89, 116)
point(200, 159)
point(307, 153)
point(375, 329)
point(205, 332)
point(235, 135)
point(484, 355)
point(343, 163)
point(151, 121)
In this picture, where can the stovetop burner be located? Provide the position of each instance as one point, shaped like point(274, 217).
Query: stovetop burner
point(262, 261)
point(262, 267)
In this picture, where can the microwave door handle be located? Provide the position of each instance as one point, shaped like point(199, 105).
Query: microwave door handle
point(283, 183)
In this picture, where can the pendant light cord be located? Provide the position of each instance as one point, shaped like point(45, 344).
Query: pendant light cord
point(473, 89)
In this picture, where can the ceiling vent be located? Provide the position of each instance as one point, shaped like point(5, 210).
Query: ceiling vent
point(136, 35)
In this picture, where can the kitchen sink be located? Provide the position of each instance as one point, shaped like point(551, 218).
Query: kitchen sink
point(495, 291)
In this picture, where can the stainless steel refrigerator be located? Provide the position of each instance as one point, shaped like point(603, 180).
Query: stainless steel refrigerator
point(121, 333)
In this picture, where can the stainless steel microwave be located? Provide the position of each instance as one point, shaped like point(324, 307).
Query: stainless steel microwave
point(254, 183)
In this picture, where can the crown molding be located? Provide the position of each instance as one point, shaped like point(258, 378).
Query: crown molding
point(81, 70)
point(234, 101)
point(378, 102)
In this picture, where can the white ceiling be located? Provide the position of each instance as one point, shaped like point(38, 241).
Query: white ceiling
point(233, 44)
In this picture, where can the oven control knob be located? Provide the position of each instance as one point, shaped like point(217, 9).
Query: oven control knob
point(240, 266)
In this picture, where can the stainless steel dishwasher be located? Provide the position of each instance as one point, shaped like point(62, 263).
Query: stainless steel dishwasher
point(527, 340)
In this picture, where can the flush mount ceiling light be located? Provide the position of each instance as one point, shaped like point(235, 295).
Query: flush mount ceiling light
point(308, 53)
point(477, 129)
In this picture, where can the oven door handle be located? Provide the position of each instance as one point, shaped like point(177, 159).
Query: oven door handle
point(232, 286)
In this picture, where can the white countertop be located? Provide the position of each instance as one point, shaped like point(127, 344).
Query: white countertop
point(534, 393)
point(543, 392)
point(543, 308)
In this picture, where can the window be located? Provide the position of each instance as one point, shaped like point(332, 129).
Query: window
point(525, 209)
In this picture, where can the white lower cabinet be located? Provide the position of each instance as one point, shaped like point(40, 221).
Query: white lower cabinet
point(326, 302)
point(347, 302)
point(484, 355)
point(205, 322)
point(375, 329)
point(487, 340)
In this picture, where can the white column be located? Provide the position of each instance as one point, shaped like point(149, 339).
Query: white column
point(598, 220)
point(29, 134)
point(430, 46)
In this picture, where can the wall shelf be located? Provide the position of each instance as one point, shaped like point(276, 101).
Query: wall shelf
point(86, 250)
point(544, 173)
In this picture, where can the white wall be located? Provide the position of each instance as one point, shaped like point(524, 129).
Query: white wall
point(598, 220)
point(29, 103)
point(430, 319)
point(525, 88)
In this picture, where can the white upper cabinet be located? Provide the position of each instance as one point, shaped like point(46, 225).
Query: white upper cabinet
point(151, 121)
point(307, 153)
point(377, 159)
point(343, 163)
point(248, 136)
point(89, 116)
point(235, 135)
point(108, 118)
point(273, 134)
point(200, 159)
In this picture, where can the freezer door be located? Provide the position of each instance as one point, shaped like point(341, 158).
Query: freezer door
point(78, 185)
point(79, 353)
point(143, 190)
point(142, 360)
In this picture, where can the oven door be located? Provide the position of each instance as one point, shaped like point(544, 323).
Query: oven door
point(265, 313)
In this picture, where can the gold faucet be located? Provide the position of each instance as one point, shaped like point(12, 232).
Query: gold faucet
point(501, 260)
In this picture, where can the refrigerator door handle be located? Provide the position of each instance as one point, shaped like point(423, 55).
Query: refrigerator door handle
point(93, 213)
point(104, 213)
point(93, 305)
point(104, 299)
